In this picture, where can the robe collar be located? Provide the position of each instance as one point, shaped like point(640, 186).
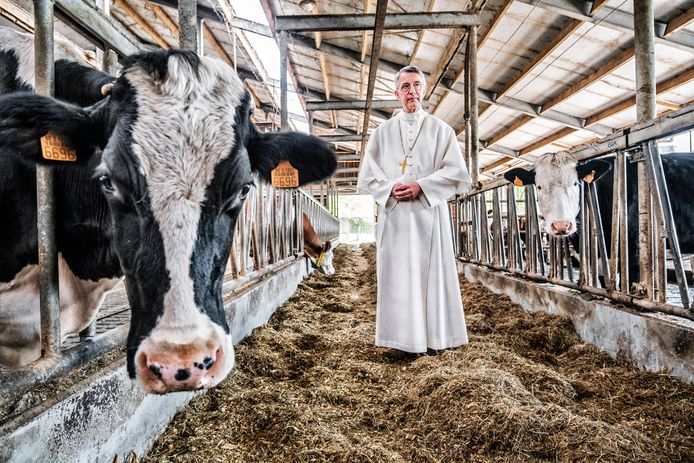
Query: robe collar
point(413, 117)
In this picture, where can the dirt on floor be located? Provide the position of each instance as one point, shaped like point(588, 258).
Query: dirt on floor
point(310, 386)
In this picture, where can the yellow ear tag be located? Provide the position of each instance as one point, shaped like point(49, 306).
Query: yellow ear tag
point(517, 181)
point(284, 176)
point(54, 148)
point(590, 177)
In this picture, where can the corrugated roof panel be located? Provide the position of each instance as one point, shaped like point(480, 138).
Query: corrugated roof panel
point(570, 62)
point(452, 109)
point(506, 50)
point(495, 120)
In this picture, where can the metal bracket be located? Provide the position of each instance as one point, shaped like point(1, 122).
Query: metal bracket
point(636, 155)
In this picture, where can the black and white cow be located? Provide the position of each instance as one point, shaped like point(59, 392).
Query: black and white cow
point(556, 177)
point(164, 165)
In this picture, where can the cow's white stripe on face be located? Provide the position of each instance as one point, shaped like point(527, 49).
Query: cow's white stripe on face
point(184, 129)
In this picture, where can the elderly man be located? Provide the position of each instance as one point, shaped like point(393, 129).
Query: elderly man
point(412, 165)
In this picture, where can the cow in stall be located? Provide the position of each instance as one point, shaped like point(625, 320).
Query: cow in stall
point(556, 177)
point(319, 253)
point(163, 165)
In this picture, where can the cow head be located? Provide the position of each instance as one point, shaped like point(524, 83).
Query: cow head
point(556, 176)
point(324, 261)
point(177, 152)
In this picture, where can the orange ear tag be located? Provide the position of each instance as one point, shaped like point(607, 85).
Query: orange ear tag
point(517, 181)
point(590, 177)
point(54, 148)
point(284, 176)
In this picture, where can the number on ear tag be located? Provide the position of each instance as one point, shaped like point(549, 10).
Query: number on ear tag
point(284, 176)
point(54, 148)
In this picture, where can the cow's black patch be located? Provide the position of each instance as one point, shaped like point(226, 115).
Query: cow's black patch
point(9, 73)
point(77, 84)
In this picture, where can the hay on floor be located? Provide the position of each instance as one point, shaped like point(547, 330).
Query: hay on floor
point(311, 387)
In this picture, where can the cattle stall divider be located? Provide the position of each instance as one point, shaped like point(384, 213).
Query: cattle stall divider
point(524, 251)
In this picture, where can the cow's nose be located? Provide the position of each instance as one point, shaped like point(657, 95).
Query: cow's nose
point(562, 227)
point(179, 368)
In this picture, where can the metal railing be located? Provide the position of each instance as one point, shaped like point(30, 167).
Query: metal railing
point(510, 238)
point(269, 229)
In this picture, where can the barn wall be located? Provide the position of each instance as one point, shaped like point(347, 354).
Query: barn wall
point(653, 341)
point(107, 415)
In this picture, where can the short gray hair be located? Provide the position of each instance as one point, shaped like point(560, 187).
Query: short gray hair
point(414, 69)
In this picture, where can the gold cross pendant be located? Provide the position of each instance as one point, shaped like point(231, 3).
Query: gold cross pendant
point(403, 165)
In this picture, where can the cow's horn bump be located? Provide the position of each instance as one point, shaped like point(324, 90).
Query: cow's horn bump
point(106, 89)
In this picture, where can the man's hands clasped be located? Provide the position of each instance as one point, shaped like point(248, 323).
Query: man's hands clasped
point(406, 191)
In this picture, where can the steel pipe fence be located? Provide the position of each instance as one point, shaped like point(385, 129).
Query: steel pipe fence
point(498, 225)
point(270, 228)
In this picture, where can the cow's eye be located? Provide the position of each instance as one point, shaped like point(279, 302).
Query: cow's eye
point(245, 190)
point(539, 187)
point(105, 182)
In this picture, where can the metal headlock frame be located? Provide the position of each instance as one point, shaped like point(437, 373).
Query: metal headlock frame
point(528, 259)
point(274, 217)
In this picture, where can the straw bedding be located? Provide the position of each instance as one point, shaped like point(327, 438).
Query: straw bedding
point(311, 387)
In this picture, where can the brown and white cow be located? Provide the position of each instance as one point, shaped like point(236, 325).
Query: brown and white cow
point(319, 253)
point(164, 164)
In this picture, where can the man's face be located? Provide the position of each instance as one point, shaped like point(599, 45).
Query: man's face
point(410, 90)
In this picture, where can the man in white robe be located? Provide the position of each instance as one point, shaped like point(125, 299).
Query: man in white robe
point(412, 166)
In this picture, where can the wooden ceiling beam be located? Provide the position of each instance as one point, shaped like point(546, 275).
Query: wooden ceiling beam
point(497, 163)
point(610, 65)
point(546, 140)
point(480, 43)
point(565, 33)
point(518, 123)
point(326, 86)
point(381, 8)
point(597, 5)
point(218, 48)
point(615, 19)
point(454, 42)
point(607, 67)
point(680, 79)
point(555, 43)
point(149, 30)
point(363, 67)
point(679, 22)
point(164, 17)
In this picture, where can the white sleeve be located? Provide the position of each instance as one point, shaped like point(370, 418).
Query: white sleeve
point(450, 178)
point(372, 179)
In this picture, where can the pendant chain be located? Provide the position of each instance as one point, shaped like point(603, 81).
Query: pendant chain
point(402, 141)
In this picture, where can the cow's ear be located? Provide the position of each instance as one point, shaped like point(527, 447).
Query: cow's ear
point(592, 170)
point(25, 118)
point(520, 176)
point(311, 156)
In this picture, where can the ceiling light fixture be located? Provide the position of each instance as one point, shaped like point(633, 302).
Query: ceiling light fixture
point(307, 5)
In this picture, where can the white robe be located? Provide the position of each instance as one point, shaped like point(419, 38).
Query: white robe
point(418, 303)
